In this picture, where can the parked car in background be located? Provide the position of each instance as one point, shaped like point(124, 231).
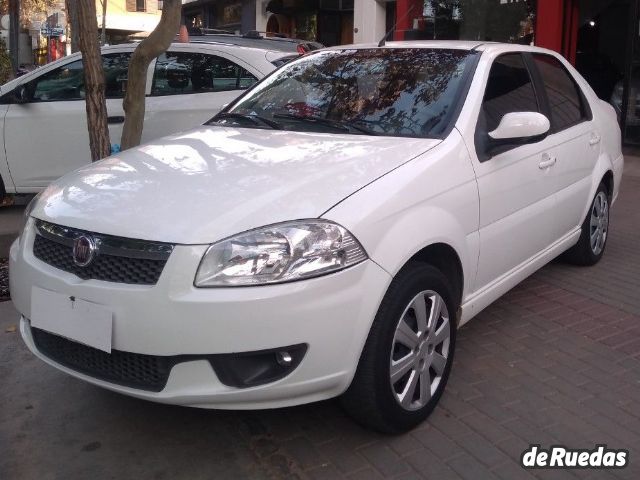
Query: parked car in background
point(327, 232)
point(43, 116)
point(256, 39)
point(633, 106)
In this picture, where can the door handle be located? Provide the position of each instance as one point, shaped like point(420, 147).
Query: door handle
point(595, 139)
point(116, 119)
point(547, 161)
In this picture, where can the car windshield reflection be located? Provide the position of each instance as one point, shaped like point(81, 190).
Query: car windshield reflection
point(410, 92)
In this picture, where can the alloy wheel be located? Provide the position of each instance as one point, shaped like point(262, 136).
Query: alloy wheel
point(599, 223)
point(420, 350)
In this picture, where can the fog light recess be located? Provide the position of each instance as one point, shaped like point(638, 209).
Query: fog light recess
point(250, 369)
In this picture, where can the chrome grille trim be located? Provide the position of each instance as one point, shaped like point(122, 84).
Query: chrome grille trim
point(107, 244)
point(115, 260)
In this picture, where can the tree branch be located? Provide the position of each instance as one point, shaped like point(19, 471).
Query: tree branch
point(152, 46)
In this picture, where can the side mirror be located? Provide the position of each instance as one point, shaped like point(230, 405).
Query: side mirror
point(519, 128)
point(21, 94)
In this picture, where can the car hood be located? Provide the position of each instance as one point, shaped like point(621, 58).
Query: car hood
point(212, 182)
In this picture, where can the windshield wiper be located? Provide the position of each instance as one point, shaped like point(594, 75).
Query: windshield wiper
point(312, 119)
point(360, 128)
point(345, 126)
point(255, 119)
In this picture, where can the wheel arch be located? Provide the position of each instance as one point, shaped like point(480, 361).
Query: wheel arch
point(445, 258)
point(604, 172)
point(608, 181)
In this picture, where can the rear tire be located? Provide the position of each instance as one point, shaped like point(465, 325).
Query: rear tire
point(595, 232)
point(407, 358)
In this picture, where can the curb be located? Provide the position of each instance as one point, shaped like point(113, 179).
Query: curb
point(5, 244)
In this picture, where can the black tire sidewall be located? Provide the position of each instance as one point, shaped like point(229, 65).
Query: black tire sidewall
point(585, 240)
point(408, 284)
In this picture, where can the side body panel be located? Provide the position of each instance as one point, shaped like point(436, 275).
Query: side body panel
point(431, 199)
point(583, 173)
point(44, 140)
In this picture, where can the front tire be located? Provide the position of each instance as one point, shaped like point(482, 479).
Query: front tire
point(595, 232)
point(407, 358)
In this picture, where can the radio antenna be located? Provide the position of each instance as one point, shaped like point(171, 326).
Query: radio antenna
point(386, 35)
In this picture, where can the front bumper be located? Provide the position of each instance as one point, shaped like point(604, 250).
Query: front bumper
point(332, 315)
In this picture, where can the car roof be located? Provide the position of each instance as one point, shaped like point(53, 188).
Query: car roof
point(255, 40)
point(449, 44)
point(218, 45)
point(251, 54)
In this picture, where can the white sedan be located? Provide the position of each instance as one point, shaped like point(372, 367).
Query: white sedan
point(326, 234)
point(44, 117)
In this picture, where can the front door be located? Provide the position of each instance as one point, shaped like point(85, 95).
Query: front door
point(47, 137)
point(516, 190)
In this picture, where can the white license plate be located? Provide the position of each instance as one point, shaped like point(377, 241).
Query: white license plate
point(73, 318)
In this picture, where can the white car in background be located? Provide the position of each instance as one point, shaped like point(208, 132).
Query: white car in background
point(326, 234)
point(43, 116)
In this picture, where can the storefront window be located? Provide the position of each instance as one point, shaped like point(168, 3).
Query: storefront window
point(482, 20)
point(305, 26)
point(608, 57)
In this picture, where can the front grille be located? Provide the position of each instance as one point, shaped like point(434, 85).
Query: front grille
point(134, 370)
point(117, 260)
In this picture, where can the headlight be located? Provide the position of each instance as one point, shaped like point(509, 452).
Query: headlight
point(30, 206)
point(27, 211)
point(279, 253)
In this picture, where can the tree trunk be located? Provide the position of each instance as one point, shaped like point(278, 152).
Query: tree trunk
point(103, 32)
point(152, 46)
point(72, 21)
point(94, 83)
point(14, 33)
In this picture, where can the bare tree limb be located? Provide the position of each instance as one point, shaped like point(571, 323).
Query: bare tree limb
point(14, 33)
point(71, 8)
point(94, 82)
point(152, 46)
point(103, 32)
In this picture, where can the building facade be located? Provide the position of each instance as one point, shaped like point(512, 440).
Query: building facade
point(127, 17)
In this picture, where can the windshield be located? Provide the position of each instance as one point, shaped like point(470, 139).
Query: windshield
point(396, 92)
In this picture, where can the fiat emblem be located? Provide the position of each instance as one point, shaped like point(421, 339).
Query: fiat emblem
point(84, 249)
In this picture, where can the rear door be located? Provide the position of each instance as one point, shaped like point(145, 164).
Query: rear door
point(190, 87)
point(574, 142)
point(516, 194)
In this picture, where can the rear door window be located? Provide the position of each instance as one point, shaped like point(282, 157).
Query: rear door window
point(116, 68)
point(178, 73)
point(565, 99)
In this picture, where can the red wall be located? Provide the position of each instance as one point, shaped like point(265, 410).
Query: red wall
point(557, 26)
point(404, 21)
